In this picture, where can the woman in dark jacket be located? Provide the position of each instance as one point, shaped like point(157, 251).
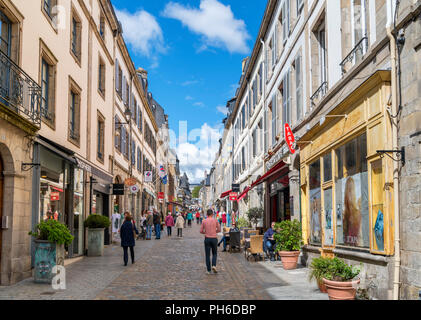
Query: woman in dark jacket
point(127, 231)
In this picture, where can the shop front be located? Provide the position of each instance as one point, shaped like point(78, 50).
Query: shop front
point(100, 191)
point(58, 192)
point(347, 186)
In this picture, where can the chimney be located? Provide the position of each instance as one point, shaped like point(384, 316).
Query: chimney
point(244, 64)
point(143, 77)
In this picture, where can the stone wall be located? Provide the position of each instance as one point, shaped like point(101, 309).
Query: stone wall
point(410, 175)
point(15, 149)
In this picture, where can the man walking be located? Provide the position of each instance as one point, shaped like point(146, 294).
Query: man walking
point(157, 224)
point(149, 223)
point(210, 227)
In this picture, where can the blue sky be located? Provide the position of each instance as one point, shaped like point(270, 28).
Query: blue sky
point(192, 51)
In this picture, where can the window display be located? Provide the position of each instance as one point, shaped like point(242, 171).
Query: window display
point(315, 203)
point(352, 194)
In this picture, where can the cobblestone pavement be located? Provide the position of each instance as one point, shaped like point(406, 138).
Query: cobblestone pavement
point(172, 269)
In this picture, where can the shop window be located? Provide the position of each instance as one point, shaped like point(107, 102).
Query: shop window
point(377, 206)
point(327, 217)
point(315, 203)
point(327, 167)
point(352, 221)
point(78, 230)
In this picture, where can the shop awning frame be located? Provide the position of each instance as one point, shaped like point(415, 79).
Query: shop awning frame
point(243, 194)
point(225, 194)
point(269, 174)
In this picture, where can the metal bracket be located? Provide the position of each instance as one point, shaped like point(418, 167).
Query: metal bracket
point(401, 154)
point(24, 166)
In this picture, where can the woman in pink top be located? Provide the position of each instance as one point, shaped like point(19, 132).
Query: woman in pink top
point(210, 227)
point(169, 222)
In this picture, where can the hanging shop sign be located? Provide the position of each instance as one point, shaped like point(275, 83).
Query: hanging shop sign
point(161, 195)
point(130, 182)
point(134, 189)
point(148, 176)
point(289, 138)
point(233, 196)
point(118, 189)
point(161, 172)
point(55, 196)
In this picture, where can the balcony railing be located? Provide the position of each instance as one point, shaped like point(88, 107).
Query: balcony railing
point(353, 56)
point(320, 92)
point(18, 91)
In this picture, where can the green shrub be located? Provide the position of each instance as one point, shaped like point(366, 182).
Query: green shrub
point(288, 236)
point(53, 231)
point(254, 214)
point(338, 270)
point(97, 221)
point(243, 223)
point(318, 268)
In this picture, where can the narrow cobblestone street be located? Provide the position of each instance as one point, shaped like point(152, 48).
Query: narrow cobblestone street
point(172, 269)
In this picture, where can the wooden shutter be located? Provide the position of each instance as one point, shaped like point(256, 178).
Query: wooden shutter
point(116, 75)
point(274, 119)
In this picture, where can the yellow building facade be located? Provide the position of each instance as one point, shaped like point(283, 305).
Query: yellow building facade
point(346, 185)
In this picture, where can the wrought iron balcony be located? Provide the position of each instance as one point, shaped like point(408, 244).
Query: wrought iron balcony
point(320, 92)
point(18, 91)
point(353, 56)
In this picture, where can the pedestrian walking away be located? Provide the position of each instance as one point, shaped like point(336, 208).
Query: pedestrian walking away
point(169, 222)
point(157, 224)
point(127, 234)
point(197, 217)
point(149, 223)
point(189, 218)
point(179, 224)
point(210, 227)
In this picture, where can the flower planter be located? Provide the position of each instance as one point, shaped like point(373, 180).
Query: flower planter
point(95, 242)
point(322, 286)
point(289, 259)
point(47, 256)
point(338, 290)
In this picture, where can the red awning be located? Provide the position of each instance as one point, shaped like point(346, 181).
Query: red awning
point(243, 194)
point(268, 174)
point(225, 194)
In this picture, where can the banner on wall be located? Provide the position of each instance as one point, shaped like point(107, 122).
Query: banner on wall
point(148, 176)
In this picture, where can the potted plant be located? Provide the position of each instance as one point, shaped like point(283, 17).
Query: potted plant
point(242, 223)
point(338, 279)
point(254, 215)
point(96, 224)
point(288, 242)
point(318, 268)
point(50, 238)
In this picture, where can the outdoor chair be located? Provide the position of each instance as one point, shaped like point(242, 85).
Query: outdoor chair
point(244, 234)
point(247, 234)
point(256, 247)
point(235, 243)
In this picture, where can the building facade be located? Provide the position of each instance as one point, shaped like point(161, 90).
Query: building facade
point(351, 100)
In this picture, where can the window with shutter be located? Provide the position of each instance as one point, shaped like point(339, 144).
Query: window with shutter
point(274, 119)
point(298, 86)
point(116, 75)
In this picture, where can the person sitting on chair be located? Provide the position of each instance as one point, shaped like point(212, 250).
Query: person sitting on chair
point(225, 239)
point(269, 242)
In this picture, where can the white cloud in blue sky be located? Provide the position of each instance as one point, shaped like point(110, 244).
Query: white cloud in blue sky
point(222, 109)
point(215, 22)
point(142, 31)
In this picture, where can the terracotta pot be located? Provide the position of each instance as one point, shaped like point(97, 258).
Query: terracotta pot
point(338, 290)
point(289, 259)
point(322, 286)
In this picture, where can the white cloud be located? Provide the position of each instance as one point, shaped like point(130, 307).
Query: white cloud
point(215, 22)
point(189, 98)
point(199, 104)
point(198, 152)
point(222, 109)
point(142, 32)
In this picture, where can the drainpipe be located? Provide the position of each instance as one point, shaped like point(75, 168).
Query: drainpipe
point(393, 48)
